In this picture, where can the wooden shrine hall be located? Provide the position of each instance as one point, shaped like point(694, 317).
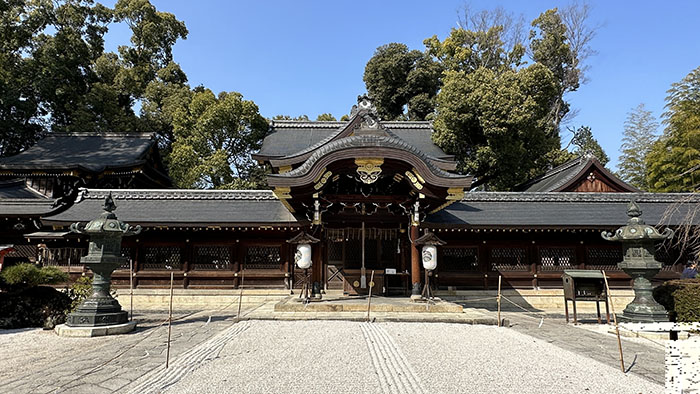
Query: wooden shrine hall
point(367, 189)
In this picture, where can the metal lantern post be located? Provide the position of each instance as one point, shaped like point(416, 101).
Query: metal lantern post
point(430, 242)
point(638, 240)
point(100, 309)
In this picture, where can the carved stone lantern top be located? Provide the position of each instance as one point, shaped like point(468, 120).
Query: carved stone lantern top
point(636, 230)
point(106, 224)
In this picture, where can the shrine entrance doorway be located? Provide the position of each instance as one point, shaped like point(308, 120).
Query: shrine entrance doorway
point(354, 252)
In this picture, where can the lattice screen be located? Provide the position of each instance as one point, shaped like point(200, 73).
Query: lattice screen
point(665, 256)
point(459, 259)
point(161, 258)
point(211, 258)
point(603, 258)
point(335, 251)
point(353, 253)
point(389, 250)
point(61, 256)
point(509, 259)
point(557, 259)
point(126, 252)
point(262, 257)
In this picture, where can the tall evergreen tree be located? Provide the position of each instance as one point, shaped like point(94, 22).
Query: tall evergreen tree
point(402, 82)
point(638, 137)
point(674, 161)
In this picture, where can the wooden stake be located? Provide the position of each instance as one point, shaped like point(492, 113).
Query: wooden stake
point(170, 322)
point(617, 328)
point(240, 297)
point(369, 299)
point(499, 300)
point(131, 290)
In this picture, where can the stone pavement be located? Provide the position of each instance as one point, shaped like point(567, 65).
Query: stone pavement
point(642, 356)
point(38, 361)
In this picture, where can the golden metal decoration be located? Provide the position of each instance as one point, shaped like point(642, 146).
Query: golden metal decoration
point(323, 180)
point(284, 169)
point(369, 169)
point(356, 283)
point(282, 193)
point(414, 180)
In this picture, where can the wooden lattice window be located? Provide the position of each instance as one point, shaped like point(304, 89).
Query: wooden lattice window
point(459, 259)
point(126, 252)
point(61, 256)
point(509, 259)
point(211, 258)
point(353, 253)
point(162, 258)
point(557, 259)
point(262, 257)
point(335, 252)
point(666, 257)
point(388, 252)
point(603, 258)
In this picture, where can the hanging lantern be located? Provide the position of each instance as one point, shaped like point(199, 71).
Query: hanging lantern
point(302, 258)
point(429, 257)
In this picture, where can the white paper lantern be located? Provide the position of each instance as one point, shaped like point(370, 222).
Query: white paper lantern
point(429, 257)
point(303, 256)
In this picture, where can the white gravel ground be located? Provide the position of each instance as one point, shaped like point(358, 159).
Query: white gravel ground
point(351, 357)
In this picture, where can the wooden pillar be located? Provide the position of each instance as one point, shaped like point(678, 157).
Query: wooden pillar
point(316, 269)
point(415, 264)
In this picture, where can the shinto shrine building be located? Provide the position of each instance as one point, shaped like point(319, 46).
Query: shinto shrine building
point(365, 188)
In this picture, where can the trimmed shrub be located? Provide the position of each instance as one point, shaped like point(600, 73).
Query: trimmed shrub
point(28, 275)
point(79, 291)
point(39, 306)
point(681, 298)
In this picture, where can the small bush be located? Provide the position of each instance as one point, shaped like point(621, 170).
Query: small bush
point(39, 306)
point(27, 275)
point(79, 291)
point(681, 298)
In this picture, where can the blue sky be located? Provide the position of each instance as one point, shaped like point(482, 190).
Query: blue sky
point(308, 57)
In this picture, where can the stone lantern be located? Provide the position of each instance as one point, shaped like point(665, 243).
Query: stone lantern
point(100, 313)
point(638, 240)
point(430, 242)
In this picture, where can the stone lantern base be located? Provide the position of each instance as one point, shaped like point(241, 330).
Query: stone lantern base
point(85, 332)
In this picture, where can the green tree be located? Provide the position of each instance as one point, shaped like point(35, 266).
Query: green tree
point(398, 78)
point(584, 143)
point(327, 117)
point(638, 137)
point(498, 115)
point(674, 160)
point(20, 105)
point(497, 123)
point(214, 137)
point(287, 117)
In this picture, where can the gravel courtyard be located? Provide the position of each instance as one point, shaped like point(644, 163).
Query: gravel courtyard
point(211, 354)
point(351, 357)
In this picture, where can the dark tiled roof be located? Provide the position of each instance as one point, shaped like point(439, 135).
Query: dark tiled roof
point(292, 137)
point(92, 152)
point(365, 141)
point(17, 188)
point(181, 207)
point(26, 207)
point(561, 209)
point(561, 176)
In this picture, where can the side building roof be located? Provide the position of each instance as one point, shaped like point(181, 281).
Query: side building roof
point(571, 174)
point(176, 207)
point(88, 153)
point(564, 210)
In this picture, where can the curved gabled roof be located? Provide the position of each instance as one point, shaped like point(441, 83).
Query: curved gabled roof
point(356, 144)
